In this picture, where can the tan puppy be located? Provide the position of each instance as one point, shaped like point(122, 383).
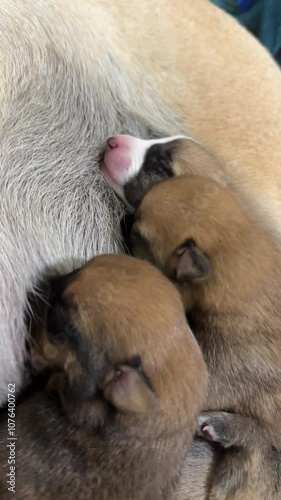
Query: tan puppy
point(228, 270)
point(130, 379)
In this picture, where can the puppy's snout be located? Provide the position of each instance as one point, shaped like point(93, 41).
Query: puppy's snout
point(122, 160)
point(118, 158)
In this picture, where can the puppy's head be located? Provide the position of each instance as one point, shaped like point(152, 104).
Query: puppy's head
point(203, 239)
point(132, 166)
point(121, 345)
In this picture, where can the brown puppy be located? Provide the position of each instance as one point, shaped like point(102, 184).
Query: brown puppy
point(227, 268)
point(130, 379)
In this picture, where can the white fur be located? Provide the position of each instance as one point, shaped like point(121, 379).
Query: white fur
point(59, 103)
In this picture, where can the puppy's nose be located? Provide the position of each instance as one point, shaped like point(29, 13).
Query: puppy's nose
point(112, 143)
point(124, 142)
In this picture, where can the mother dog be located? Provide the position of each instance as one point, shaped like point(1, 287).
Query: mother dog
point(72, 74)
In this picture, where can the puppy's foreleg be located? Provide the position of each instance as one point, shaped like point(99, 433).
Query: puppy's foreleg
point(241, 470)
point(231, 430)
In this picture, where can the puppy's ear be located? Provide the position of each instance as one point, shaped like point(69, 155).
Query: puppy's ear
point(128, 391)
point(192, 264)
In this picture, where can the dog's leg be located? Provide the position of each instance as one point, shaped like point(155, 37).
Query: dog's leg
point(230, 430)
point(243, 469)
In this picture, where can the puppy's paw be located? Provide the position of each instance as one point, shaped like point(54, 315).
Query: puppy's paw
point(216, 427)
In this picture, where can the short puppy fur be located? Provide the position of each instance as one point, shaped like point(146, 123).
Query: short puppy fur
point(127, 385)
point(227, 268)
point(246, 466)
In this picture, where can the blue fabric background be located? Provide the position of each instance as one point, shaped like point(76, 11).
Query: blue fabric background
point(261, 17)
